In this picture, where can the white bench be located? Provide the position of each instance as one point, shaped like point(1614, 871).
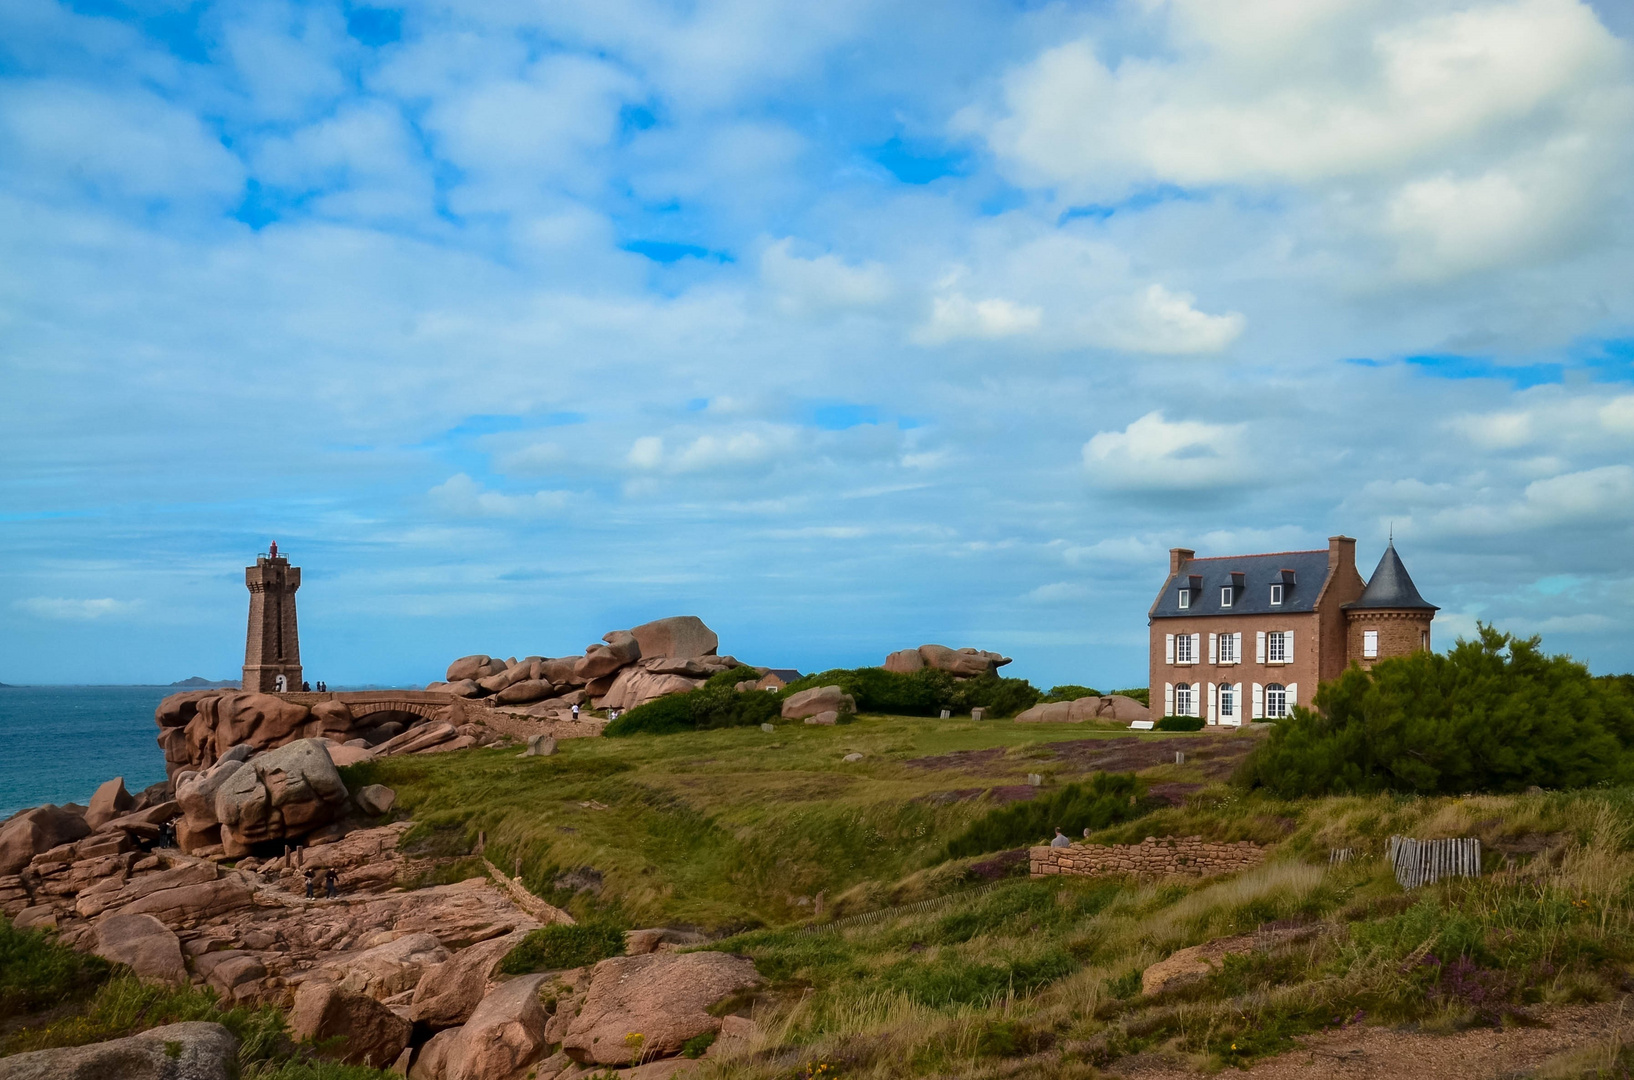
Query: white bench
point(1143, 725)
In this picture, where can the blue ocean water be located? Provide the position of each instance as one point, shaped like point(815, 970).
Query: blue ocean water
point(57, 743)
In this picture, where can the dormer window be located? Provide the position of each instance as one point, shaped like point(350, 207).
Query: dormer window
point(1276, 594)
point(1226, 593)
point(1184, 596)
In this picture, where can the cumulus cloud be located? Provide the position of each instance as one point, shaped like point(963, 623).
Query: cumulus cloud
point(461, 496)
point(714, 451)
point(1586, 498)
point(1156, 454)
point(1163, 322)
point(822, 284)
point(73, 610)
point(957, 317)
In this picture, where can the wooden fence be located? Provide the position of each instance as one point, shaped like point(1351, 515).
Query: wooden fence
point(1420, 862)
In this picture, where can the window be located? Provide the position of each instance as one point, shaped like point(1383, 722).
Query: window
point(1370, 643)
point(1225, 596)
point(1185, 599)
point(1183, 652)
point(1276, 701)
point(1276, 647)
point(1182, 699)
point(1276, 595)
point(1228, 701)
point(1228, 648)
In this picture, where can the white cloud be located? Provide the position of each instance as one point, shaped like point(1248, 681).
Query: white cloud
point(1617, 415)
point(822, 284)
point(1059, 592)
point(1156, 454)
point(956, 316)
point(1166, 323)
point(461, 496)
point(1598, 496)
point(647, 452)
point(1495, 431)
point(54, 607)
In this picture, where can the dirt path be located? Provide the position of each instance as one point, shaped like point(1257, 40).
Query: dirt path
point(1379, 1053)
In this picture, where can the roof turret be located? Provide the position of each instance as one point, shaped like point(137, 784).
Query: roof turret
point(1391, 586)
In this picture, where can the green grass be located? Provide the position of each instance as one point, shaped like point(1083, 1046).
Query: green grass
point(729, 828)
point(36, 971)
point(556, 948)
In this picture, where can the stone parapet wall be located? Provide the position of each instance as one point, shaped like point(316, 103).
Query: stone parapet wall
point(1152, 857)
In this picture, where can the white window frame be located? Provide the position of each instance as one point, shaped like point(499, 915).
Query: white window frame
point(1229, 653)
point(1227, 594)
point(1276, 595)
point(1185, 699)
point(1185, 651)
point(1276, 701)
point(1228, 703)
point(1276, 647)
point(1184, 598)
point(1370, 644)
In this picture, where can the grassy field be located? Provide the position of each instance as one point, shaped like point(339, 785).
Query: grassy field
point(740, 831)
point(739, 827)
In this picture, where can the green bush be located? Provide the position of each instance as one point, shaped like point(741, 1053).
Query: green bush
point(1142, 694)
point(37, 970)
point(664, 716)
point(1180, 723)
point(697, 1045)
point(555, 948)
point(1494, 714)
point(1070, 692)
point(997, 695)
point(1107, 799)
point(715, 704)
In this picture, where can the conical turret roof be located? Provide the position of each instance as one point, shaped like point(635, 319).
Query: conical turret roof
point(1391, 586)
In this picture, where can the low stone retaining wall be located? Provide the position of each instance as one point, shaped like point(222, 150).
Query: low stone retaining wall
point(1151, 858)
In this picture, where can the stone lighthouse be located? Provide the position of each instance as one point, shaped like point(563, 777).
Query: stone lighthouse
point(272, 650)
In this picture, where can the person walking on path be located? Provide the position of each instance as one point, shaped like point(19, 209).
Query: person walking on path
point(311, 881)
point(329, 888)
point(575, 712)
point(1061, 839)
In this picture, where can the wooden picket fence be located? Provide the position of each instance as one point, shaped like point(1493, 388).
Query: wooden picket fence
point(1420, 862)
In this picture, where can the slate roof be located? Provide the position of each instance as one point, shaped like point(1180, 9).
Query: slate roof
point(1259, 572)
point(1391, 587)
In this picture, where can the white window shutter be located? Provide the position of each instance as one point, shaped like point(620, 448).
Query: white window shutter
point(1288, 646)
point(1237, 649)
point(1293, 694)
point(1213, 649)
point(1238, 699)
point(1213, 701)
point(1196, 651)
point(1259, 700)
point(1259, 647)
point(1168, 697)
point(1168, 649)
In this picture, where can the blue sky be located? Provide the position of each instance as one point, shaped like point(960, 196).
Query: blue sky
point(847, 327)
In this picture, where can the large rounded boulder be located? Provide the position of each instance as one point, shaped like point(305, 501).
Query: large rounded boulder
point(662, 997)
point(279, 795)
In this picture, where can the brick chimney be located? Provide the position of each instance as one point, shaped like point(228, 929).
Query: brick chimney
point(1179, 557)
point(1341, 553)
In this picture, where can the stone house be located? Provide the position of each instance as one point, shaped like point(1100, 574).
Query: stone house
point(1242, 637)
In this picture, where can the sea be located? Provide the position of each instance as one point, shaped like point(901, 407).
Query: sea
point(57, 743)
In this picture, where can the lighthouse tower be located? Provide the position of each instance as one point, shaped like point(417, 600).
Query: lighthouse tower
point(272, 647)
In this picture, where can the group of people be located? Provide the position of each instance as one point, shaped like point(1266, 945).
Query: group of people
point(331, 886)
point(280, 685)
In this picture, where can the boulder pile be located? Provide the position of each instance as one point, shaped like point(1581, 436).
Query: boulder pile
point(960, 663)
point(625, 669)
point(1110, 707)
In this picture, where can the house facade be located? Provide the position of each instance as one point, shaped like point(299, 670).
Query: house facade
point(1247, 637)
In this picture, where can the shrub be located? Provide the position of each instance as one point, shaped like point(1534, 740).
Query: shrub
point(1180, 723)
point(1107, 799)
point(697, 1045)
point(716, 704)
point(555, 948)
point(998, 695)
point(1070, 692)
point(1142, 694)
point(37, 970)
point(1494, 714)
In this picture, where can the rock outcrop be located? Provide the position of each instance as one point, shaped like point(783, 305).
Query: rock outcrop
point(144, 944)
point(817, 701)
point(1114, 707)
point(625, 669)
point(962, 663)
point(191, 1051)
point(448, 993)
point(368, 1032)
point(503, 1038)
point(38, 830)
point(110, 801)
point(663, 997)
point(282, 794)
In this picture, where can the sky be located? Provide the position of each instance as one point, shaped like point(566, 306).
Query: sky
point(847, 327)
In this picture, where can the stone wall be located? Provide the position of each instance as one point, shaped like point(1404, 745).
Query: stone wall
point(1151, 858)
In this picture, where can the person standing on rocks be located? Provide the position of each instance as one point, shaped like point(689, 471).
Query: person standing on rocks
point(330, 889)
point(575, 712)
point(311, 882)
